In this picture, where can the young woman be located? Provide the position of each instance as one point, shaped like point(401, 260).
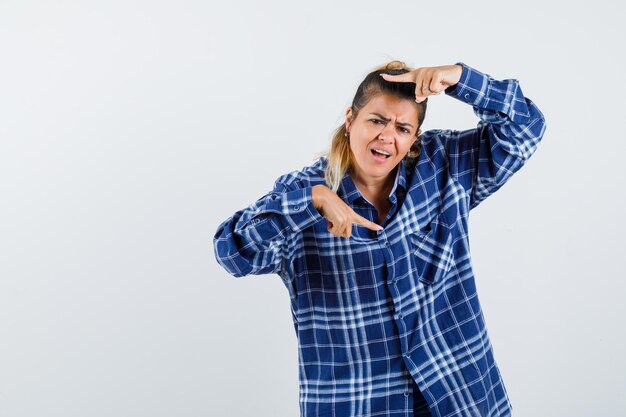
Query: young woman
point(372, 243)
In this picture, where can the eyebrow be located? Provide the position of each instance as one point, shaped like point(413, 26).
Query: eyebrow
point(386, 120)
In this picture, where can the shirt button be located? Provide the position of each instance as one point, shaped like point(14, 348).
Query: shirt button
point(406, 355)
point(296, 208)
point(400, 316)
point(406, 394)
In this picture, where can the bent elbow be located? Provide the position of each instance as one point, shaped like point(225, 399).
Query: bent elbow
point(231, 262)
point(226, 253)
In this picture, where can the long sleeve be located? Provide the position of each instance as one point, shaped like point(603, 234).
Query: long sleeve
point(262, 237)
point(510, 128)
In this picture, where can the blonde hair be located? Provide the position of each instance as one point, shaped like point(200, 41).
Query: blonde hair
point(340, 157)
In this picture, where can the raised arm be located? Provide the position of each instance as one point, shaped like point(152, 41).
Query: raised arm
point(510, 128)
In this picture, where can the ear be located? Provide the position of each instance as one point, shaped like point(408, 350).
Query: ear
point(348, 118)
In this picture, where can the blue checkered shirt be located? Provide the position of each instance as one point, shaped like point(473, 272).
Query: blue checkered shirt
point(389, 322)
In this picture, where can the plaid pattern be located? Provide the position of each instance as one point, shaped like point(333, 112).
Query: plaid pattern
point(383, 318)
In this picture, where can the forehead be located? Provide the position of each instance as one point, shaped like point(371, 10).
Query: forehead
point(390, 106)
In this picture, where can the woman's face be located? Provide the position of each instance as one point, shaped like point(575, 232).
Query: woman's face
point(381, 135)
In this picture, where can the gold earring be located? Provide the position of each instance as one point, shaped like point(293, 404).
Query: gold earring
point(415, 152)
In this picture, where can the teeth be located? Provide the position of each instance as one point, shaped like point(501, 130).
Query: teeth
point(381, 152)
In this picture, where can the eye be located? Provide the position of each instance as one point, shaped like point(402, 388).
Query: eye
point(377, 121)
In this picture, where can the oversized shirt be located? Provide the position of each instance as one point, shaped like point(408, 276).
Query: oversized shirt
point(380, 313)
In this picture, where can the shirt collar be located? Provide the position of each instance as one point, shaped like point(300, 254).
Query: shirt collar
point(351, 192)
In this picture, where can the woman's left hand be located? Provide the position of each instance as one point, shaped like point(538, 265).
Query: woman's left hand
point(429, 80)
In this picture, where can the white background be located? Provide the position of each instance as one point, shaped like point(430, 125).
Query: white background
point(129, 130)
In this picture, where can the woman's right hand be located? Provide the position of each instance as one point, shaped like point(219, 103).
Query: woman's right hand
point(339, 215)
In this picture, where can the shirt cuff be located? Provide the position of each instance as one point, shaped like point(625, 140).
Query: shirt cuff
point(461, 90)
point(503, 98)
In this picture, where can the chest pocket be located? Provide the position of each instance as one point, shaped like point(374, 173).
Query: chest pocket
point(432, 252)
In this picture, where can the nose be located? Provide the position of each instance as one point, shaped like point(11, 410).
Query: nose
point(387, 134)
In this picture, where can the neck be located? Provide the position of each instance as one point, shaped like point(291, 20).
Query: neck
point(375, 189)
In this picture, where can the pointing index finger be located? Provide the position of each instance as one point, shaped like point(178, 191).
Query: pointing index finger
point(407, 77)
point(366, 223)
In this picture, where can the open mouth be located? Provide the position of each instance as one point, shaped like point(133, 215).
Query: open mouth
point(380, 154)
